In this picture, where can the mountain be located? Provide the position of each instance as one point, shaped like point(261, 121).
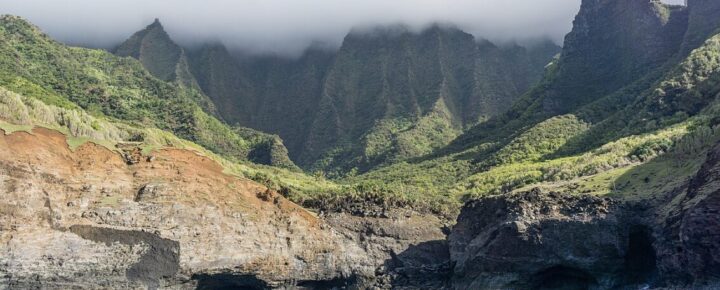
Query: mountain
point(344, 111)
point(155, 50)
point(602, 55)
point(120, 88)
point(162, 57)
point(564, 136)
point(268, 93)
point(392, 94)
point(603, 174)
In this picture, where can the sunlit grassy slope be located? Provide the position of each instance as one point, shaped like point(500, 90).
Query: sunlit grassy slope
point(644, 138)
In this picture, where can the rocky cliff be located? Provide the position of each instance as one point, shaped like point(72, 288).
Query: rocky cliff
point(613, 43)
point(546, 240)
point(93, 218)
point(155, 50)
point(392, 94)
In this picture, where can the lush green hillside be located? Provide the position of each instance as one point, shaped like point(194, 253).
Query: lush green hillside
point(403, 118)
point(22, 113)
point(669, 109)
point(387, 95)
point(120, 88)
point(163, 58)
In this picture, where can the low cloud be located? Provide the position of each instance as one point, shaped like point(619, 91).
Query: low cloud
point(288, 26)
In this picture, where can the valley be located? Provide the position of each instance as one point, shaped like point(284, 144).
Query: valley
point(405, 159)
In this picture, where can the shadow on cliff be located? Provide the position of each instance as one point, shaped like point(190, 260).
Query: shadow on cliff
point(423, 266)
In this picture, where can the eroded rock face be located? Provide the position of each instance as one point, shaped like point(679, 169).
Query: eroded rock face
point(402, 247)
point(545, 240)
point(537, 240)
point(689, 230)
point(613, 43)
point(87, 219)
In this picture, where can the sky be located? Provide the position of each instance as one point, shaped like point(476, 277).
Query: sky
point(289, 26)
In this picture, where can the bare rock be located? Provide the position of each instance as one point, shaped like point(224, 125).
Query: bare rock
point(536, 240)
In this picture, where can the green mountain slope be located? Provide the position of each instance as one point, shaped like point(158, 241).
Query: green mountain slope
point(567, 137)
point(392, 94)
point(627, 109)
point(387, 95)
point(163, 58)
point(120, 88)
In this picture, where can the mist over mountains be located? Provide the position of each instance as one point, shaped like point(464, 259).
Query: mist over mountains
point(288, 27)
point(407, 158)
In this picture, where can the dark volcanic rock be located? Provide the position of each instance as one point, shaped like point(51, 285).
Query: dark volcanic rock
point(532, 239)
point(689, 248)
point(612, 43)
point(537, 240)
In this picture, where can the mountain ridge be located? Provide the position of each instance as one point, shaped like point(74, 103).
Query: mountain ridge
point(294, 97)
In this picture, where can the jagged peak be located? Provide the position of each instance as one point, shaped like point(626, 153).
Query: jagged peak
point(155, 25)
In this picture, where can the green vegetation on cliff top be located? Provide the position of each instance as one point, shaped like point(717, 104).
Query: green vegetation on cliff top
point(647, 133)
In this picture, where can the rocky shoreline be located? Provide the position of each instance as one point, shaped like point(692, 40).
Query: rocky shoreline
point(87, 219)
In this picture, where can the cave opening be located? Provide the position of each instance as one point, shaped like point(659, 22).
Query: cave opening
point(227, 281)
point(563, 278)
point(640, 260)
point(339, 283)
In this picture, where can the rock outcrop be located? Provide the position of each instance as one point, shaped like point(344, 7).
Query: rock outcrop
point(613, 43)
point(541, 240)
point(538, 240)
point(406, 249)
point(88, 219)
point(689, 229)
point(156, 51)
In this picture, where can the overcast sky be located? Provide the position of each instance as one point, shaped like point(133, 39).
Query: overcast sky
point(288, 26)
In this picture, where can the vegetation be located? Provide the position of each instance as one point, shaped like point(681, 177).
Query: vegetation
point(639, 133)
point(119, 88)
point(385, 96)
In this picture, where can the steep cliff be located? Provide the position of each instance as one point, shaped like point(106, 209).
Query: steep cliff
point(340, 111)
point(403, 94)
point(269, 93)
point(155, 50)
point(90, 217)
point(612, 44)
point(163, 58)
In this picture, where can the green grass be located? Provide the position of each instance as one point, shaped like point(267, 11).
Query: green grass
point(12, 128)
point(103, 84)
point(81, 127)
point(642, 140)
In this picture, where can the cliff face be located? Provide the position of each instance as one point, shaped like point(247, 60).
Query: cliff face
point(546, 240)
point(688, 241)
point(163, 58)
point(268, 93)
point(433, 83)
point(86, 218)
point(90, 218)
point(330, 107)
point(155, 50)
point(613, 43)
point(538, 240)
